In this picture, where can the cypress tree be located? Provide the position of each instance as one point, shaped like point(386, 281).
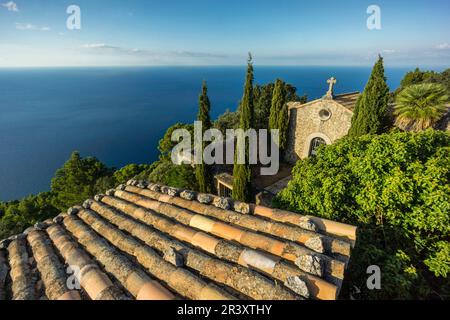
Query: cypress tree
point(278, 100)
point(242, 172)
point(279, 118)
point(371, 108)
point(202, 171)
point(263, 104)
point(283, 125)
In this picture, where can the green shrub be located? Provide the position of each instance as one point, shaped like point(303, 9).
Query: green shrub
point(169, 174)
point(129, 172)
point(395, 187)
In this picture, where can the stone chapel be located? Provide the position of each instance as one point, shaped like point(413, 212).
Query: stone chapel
point(318, 122)
point(311, 124)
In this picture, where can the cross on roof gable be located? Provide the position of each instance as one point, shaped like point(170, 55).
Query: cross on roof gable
point(332, 81)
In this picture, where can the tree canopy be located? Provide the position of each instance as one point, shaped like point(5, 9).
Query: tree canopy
point(16, 216)
point(418, 77)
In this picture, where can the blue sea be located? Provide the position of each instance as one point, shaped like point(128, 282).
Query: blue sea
point(119, 114)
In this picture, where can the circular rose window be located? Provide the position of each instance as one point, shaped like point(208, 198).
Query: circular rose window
point(324, 114)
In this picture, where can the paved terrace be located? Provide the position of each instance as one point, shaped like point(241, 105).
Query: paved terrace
point(150, 242)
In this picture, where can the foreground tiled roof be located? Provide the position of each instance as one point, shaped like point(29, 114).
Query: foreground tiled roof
point(145, 241)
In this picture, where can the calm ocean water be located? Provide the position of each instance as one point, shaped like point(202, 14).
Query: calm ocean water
point(119, 114)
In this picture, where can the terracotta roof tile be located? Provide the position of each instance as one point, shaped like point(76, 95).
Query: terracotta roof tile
point(150, 242)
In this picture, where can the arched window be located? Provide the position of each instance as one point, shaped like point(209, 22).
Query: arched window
point(315, 144)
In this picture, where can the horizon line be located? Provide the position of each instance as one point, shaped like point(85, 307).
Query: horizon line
point(218, 66)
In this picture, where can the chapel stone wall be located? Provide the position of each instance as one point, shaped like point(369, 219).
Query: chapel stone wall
point(307, 122)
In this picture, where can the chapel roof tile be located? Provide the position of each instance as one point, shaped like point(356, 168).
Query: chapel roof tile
point(347, 100)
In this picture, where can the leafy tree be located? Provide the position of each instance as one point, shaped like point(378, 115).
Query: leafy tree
point(202, 171)
point(419, 77)
point(105, 183)
point(144, 175)
point(76, 180)
point(419, 107)
point(166, 144)
point(228, 120)
point(292, 96)
point(164, 171)
point(371, 109)
point(416, 77)
point(242, 172)
point(442, 78)
point(395, 188)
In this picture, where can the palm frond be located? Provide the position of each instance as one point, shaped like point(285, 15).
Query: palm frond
point(419, 107)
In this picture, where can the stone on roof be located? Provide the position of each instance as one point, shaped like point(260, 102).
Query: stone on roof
point(150, 242)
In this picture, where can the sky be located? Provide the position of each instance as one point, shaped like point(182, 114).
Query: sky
point(34, 33)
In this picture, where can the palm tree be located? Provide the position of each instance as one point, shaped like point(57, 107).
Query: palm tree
point(419, 107)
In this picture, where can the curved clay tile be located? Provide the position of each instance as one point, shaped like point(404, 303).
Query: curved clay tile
point(95, 282)
point(328, 226)
point(4, 270)
point(23, 282)
point(52, 271)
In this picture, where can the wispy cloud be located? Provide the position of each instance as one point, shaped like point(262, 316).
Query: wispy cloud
point(98, 46)
point(11, 6)
point(388, 51)
point(443, 46)
point(103, 47)
point(30, 27)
